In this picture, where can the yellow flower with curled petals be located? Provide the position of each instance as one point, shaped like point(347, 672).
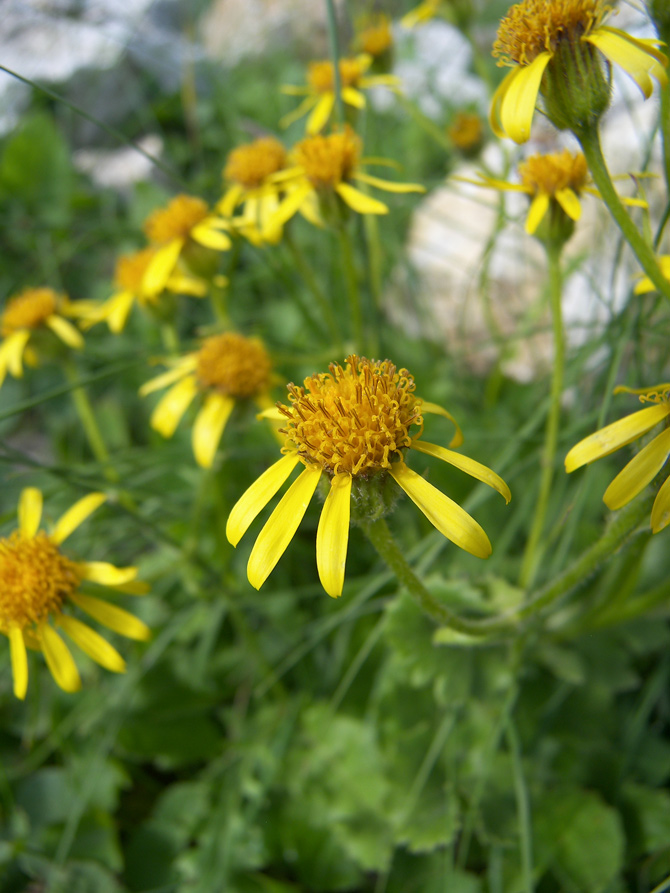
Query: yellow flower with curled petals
point(184, 221)
point(227, 369)
point(352, 425)
point(27, 314)
point(248, 172)
point(40, 585)
point(319, 92)
point(645, 465)
point(537, 36)
point(645, 285)
point(323, 169)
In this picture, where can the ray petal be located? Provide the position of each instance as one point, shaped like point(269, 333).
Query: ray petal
point(172, 406)
point(388, 185)
point(185, 365)
point(639, 472)
point(75, 515)
point(65, 331)
point(358, 201)
point(257, 497)
point(93, 644)
point(332, 535)
point(475, 469)
point(113, 617)
point(569, 201)
point(538, 208)
point(59, 660)
point(19, 659)
point(161, 266)
point(614, 436)
point(208, 427)
point(518, 103)
point(635, 58)
point(436, 409)
point(660, 513)
point(320, 114)
point(106, 574)
point(30, 511)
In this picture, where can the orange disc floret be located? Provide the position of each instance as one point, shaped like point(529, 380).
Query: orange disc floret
point(29, 310)
point(176, 220)
point(130, 269)
point(320, 75)
point(250, 165)
point(234, 365)
point(354, 419)
point(554, 171)
point(328, 160)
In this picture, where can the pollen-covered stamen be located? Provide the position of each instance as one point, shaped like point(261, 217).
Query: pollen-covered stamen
point(328, 160)
point(535, 26)
point(355, 419)
point(35, 579)
point(656, 396)
point(554, 171)
point(320, 75)
point(250, 165)
point(235, 365)
point(177, 220)
point(28, 310)
point(130, 270)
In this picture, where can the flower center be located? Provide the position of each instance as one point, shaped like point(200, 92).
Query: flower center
point(234, 365)
point(130, 270)
point(535, 26)
point(28, 310)
point(377, 36)
point(657, 394)
point(466, 131)
point(355, 419)
point(320, 75)
point(177, 220)
point(550, 173)
point(35, 579)
point(327, 160)
point(250, 165)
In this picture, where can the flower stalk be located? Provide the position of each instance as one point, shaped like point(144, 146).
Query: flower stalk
point(89, 422)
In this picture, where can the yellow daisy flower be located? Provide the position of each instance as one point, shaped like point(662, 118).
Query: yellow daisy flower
point(466, 132)
point(535, 32)
point(319, 91)
point(374, 36)
point(27, 314)
point(185, 220)
point(352, 425)
point(226, 369)
point(39, 585)
point(323, 167)
point(248, 172)
point(645, 465)
point(645, 284)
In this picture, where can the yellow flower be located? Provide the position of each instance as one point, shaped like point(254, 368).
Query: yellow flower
point(352, 425)
point(467, 132)
point(320, 90)
point(185, 220)
point(536, 31)
point(424, 12)
point(645, 465)
point(374, 35)
point(39, 585)
point(324, 166)
point(645, 284)
point(226, 369)
point(26, 314)
point(249, 171)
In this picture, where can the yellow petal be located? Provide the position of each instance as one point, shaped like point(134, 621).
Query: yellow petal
point(475, 469)
point(322, 111)
point(113, 617)
point(75, 515)
point(332, 535)
point(232, 197)
point(644, 286)
point(298, 112)
point(635, 58)
point(358, 201)
point(65, 331)
point(614, 436)
point(93, 644)
point(17, 647)
point(353, 97)
point(107, 574)
point(172, 406)
point(182, 284)
point(569, 201)
point(388, 185)
point(121, 305)
point(30, 511)
point(435, 409)
point(59, 660)
point(208, 427)
point(207, 234)
point(538, 208)
point(257, 496)
point(497, 100)
point(11, 352)
point(639, 472)
point(183, 367)
point(518, 103)
point(281, 526)
point(161, 267)
point(660, 513)
point(443, 513)
point(290, 204)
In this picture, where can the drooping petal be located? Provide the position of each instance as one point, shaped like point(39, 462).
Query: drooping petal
point(281, 526)
point(19, 657)
point(208, 233)
point(496, 103)
point(388, 185)
point(297, 113)
point(208, 427)
point(232, 197)
point(113, 617)
point(633, 56)
point(30, 511)
point(172, 406)
point(443, 513)
point(353, 97)
point(518, 103)
point(640, 471)
point(332, 535)
point(75, 515)
point(65, 331)
point(538, 208)
point(183, 367)
point(570, 203)
point(435, 409)
point(660, 513)
point(11, 352)
point(106, 574)
point(59, 660)
point(321, 113)
point(290, 204)
point(257, 496)
point(118, 312)
point(612, 437)
point(161, 267)
point(646, 285)
point(475, 469)
point(358, 201)
point(182, 284)
point(93, 644)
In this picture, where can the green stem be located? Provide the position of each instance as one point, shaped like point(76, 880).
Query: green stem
point(335, 55)
point(170, 337)
point(88, 421)
point(351, 280)
point(532, 553)
point(311, 282)
point(371, 224)
point(522, 805)
point(665, 132)
point(424, 122)
point(590, 143)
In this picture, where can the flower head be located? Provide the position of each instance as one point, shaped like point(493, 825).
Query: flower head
point(39, 586)
point(249, 174)
point(555, 46)
point(319, 91)
point(27, 314)
point(226, 369)
point(466, 132)
point(645, 465)
point(353, 425)
point(374, 36)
